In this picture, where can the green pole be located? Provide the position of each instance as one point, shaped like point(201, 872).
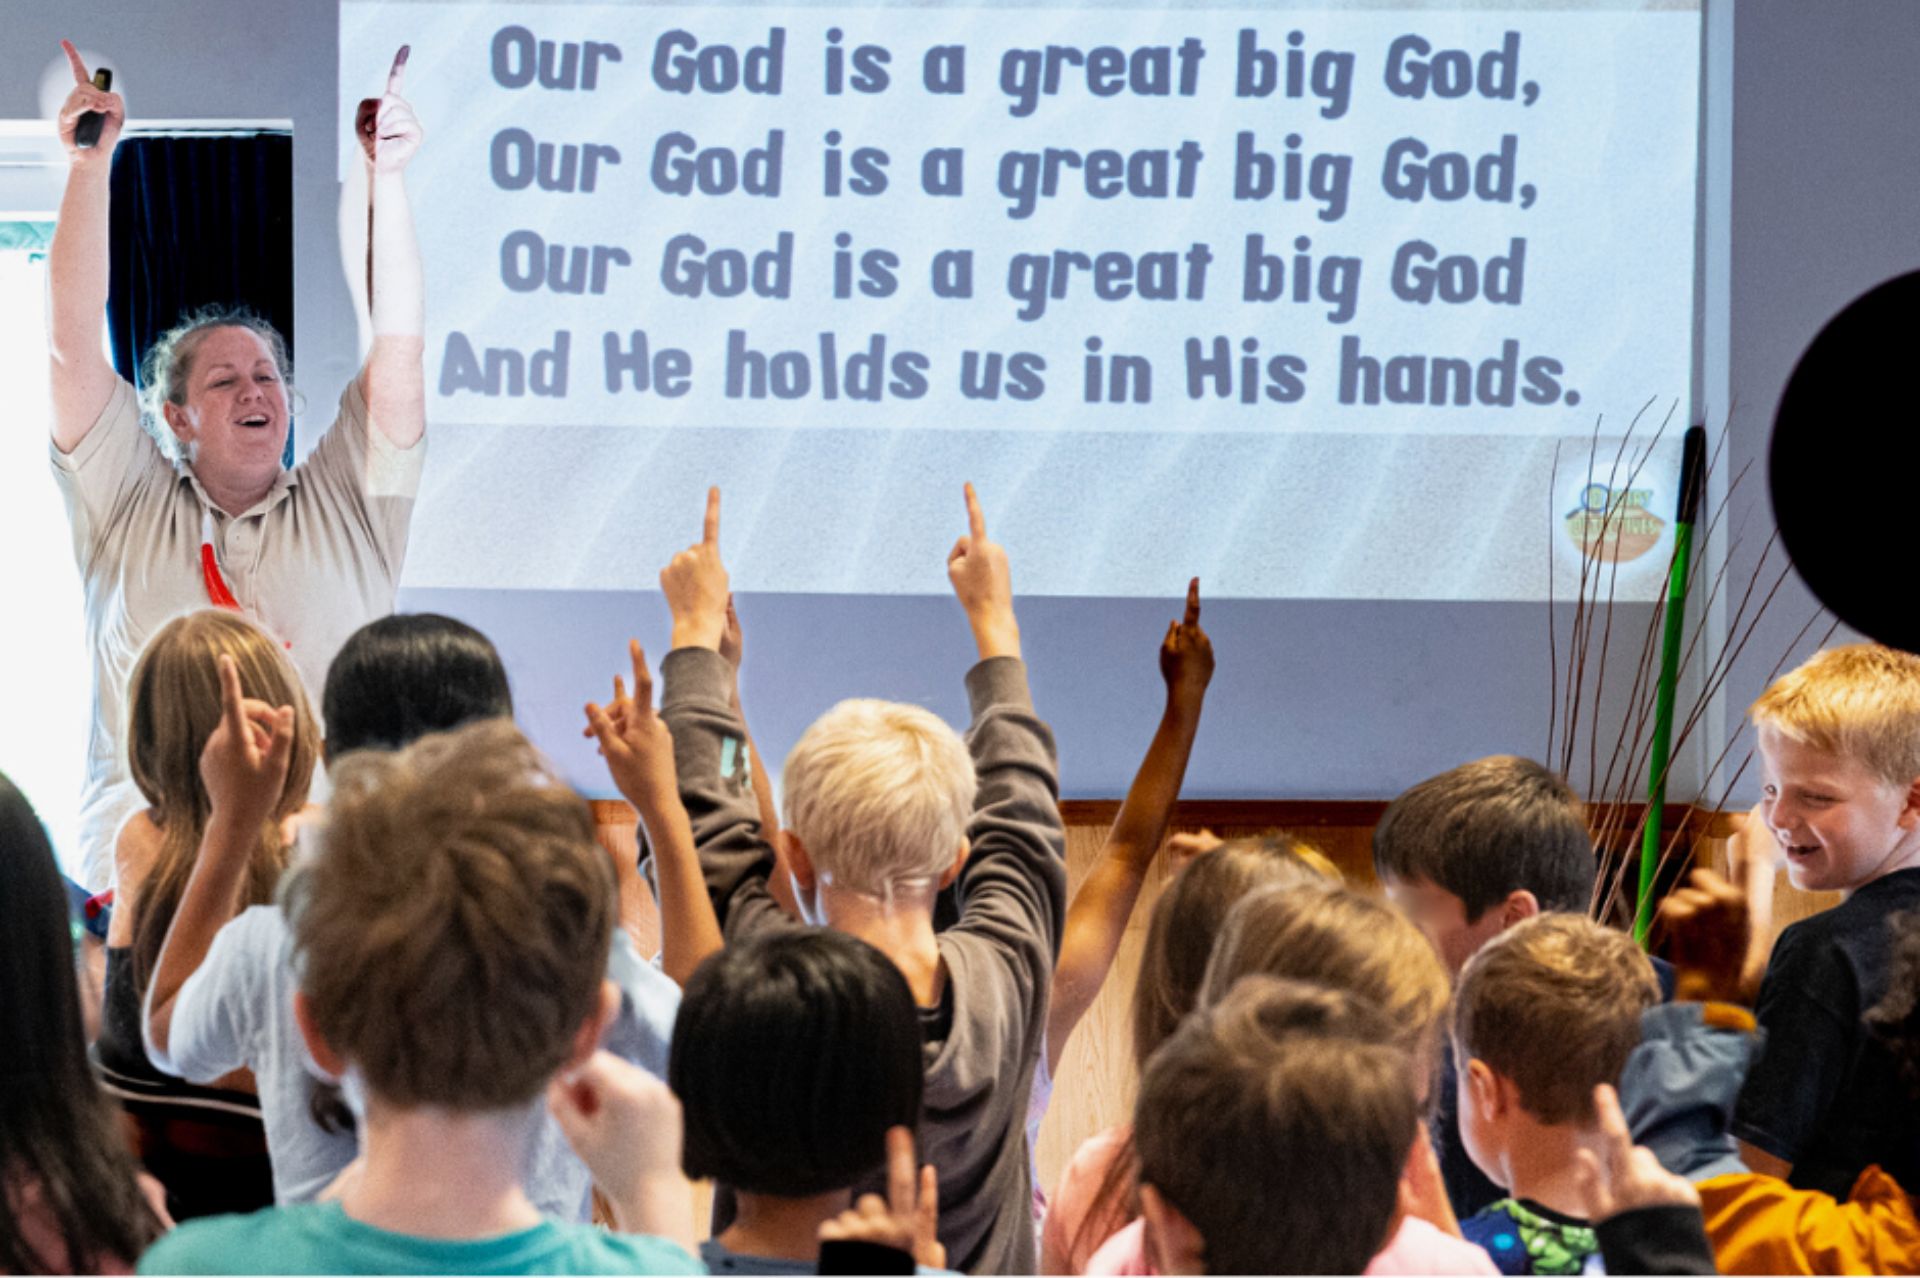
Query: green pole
point(1692, 487)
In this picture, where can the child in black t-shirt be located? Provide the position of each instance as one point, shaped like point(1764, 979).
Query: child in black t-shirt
point(1840, 747)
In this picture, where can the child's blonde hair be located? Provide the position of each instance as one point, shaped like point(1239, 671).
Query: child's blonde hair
point(1861, 701)
point(173, 706)
point(1554, 1004)
point(878, 792)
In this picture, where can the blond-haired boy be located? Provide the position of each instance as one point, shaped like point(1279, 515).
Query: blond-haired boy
point(1840, 757)
point(1543, 1014)
point(885, 806)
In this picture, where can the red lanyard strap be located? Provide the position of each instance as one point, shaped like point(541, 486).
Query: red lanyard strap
point(210, 567)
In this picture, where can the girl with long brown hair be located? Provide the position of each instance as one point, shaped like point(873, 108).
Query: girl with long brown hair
point(203, 1143)
point(1096, 1194)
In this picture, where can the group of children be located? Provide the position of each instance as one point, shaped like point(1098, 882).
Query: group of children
point(413, 1032)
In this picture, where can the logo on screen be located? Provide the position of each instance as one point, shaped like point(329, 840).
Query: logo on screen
point(1614, 525)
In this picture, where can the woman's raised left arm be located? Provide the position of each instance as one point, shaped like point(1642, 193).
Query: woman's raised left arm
point(393, 380)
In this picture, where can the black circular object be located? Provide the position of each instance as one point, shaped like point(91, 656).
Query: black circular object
point(1845, 461)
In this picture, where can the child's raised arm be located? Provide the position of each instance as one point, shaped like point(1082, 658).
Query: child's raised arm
point(639, 754)
point(1751, 856)
point(1097, 918)
point(1013, 889)
point(779, 883)
point(697, 701)
point(1708, 926)
point(244, 768)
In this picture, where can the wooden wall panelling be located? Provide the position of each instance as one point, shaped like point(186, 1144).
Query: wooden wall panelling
point(1095, 1086)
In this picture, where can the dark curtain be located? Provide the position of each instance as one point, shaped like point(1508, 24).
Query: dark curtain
point(198, 220)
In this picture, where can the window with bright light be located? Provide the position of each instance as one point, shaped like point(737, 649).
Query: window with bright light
point(45, 675)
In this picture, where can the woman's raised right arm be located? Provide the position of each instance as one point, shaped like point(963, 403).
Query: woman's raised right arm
point(82, 380)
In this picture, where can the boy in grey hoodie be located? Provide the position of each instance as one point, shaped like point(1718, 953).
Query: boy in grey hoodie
point(884, 808)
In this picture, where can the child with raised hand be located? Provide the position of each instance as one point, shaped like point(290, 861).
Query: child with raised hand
point(884, 806)
point(1272, 1129)
point(796, 1060)
point(205, 1143)
point(451, 932)
point(1097, 1194)
point(74, 1200)
point(639, 753)
point(222, 994)
point(1839, 745)
point(1097, 916)
point(1331, 936)
point(1544, 1013)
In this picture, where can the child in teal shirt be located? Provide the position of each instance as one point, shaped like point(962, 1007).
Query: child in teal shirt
point(451, 933)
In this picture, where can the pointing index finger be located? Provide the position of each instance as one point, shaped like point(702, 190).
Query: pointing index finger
point(232, 703)
point(903, 1176)
point(976, 522)
point(1613, 1123)
point(80, 75)
point(711, 533)
point(1193, 602)
point(642, 679)
point(397, 77)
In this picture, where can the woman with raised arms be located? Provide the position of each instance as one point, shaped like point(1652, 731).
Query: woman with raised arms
point(176, 495)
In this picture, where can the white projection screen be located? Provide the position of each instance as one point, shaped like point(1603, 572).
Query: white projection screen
point(1345, 308)
point(1331, 302)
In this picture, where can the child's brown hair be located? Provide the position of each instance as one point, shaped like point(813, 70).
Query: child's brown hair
point(173, 706)
point(1488, 828)
point(1173, 964)
point(451, 928)
point(1554, 1004)
point(1188, 916)
point(1337, 937)
point(1278, 1085)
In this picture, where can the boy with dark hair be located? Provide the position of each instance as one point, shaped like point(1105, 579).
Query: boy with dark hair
point(1469, 853)
point(400, 677)
point(1277, 1086)
point(795, 1055)
point(885, 806)
point(451, 938)
point(1543, 1014)
point(1465, 855)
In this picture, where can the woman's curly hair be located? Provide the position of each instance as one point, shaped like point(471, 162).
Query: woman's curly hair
point(168, 362)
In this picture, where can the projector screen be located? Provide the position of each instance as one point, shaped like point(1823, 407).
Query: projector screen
point(1345, 301)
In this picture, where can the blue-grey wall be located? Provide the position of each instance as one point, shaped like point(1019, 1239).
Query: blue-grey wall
point(1313, 699)
point(1824, 191)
